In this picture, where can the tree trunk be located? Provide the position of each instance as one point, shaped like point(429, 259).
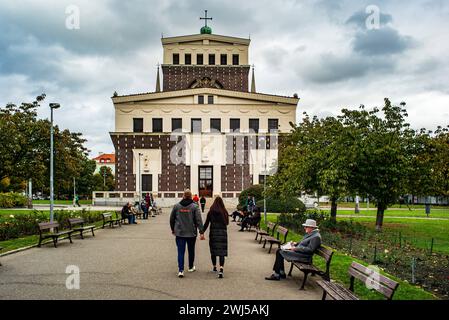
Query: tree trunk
point(334, 209)
point(380, 216)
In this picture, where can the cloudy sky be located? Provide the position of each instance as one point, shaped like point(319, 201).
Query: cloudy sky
point(322, 50)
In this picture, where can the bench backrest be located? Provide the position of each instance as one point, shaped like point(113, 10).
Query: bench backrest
point(271, 226)
point(48, 225)
point(107, 215)
point(372, 279)
point(283, 231)
point(326, 254)
point(75, 221)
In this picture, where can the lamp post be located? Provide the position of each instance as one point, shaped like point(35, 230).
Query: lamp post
point(52, 106)
point(104, 180)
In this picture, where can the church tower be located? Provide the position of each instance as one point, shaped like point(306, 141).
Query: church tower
point(204, 130)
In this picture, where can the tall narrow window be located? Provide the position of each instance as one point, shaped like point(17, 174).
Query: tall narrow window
point(235, 59)
point(254, 125)
point(188, 58)
point(210, 99)
point(273, 125)
point(199, 59)
point(234, 125)
point(138, 125)
point(157, 124)
point(176, 124)
point(200, 99)
point(175, 58)
point(224, 59)
point(215, 125)
point(196, 125)
point(212, 59)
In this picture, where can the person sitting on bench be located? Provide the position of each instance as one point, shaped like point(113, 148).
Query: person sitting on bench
point(237, 213)
point(251, 220)
point(127, 213)
point(302, 251)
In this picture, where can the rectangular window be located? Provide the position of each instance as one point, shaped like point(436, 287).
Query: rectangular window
point(224, 59)
point(199, 59)
point(235, 59)
point(212, 59)
point(210, 99)
point(215, 125)
point(157, 124)
point(176, 124)
point(188, 58)
point(200, 99)
point(254, 125)
point(138, 125)
point(234, 125)
point(175, 58)
point(196, 125)
point(273, 125)
point(262, 178)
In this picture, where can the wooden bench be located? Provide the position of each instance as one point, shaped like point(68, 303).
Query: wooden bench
point(108, 219)
point(371, 278)
point(55, 234)
point(323, 252)
point(271, 226)
point(272, 240)
point(77, 225)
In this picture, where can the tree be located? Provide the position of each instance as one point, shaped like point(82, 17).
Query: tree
point(383, 147)
point(104, 180)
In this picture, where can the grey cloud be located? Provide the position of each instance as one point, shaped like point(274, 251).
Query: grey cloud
point(384, 41)
point(359, 19)
point(331, 68)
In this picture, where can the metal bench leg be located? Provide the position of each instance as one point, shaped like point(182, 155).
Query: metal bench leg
point(55, 241)
point(256, 236)
point(40, 241)
point(81, 234)
point(70, 238)
point(93, 234)
point(271, 246)
point(264, 243)
point(304, 281)
point(291, 269)
point(324, 295)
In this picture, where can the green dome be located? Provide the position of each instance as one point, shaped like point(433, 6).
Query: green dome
point(206, 30)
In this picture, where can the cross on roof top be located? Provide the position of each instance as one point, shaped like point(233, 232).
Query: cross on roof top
point(205, 18)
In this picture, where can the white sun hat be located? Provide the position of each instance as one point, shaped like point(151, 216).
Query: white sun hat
point(310, 223)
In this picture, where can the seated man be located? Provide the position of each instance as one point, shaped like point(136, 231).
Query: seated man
point(237, 213)
point(251, 220)
point(302, 251)
point(127, 213)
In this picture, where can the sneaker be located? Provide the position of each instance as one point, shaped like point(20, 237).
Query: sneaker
point(192, 269)
point(214, 269)
point(283, 275)
point(181, 274)
point(220, 274)
point(273, 277)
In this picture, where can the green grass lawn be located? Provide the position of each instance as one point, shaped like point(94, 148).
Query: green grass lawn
point(7, 212)
point(61, 202)
point(363, 205)
point(339, 271)
point(419, 232)
point(415, 213)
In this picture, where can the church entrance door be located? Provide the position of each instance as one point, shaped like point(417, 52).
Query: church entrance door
point(205, 181)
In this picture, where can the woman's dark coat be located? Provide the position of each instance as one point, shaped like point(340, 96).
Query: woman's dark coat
point(218, 235)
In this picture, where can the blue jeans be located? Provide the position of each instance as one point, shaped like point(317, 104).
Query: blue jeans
point(181, 243)
point(131, 218)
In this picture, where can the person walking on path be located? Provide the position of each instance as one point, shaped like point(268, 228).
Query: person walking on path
point(196, 199)
point(185, 220)
point(301, 251)
point(203, 203)
point(218, 219)
point(77, 201)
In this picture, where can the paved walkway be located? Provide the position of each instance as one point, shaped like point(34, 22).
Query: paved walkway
point(139, 262)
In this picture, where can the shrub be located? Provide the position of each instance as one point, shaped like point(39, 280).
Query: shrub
point(292, 205)
point(255, 191)
point(11, 200)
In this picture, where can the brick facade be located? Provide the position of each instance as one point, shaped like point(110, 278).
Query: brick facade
point(180, 77)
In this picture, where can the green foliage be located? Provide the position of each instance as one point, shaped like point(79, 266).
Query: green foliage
point(18, 225)
point(255, 191)
point(104, 180)
point(12, 200)
point(281, 205)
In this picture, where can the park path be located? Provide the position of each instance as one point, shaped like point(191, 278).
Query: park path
point(139, 262)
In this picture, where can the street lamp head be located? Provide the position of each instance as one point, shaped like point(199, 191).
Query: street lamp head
point(55, 105)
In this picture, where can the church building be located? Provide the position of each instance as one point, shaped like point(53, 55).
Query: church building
point(204, 128)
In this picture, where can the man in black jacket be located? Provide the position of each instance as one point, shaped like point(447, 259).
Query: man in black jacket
point(302, 251)
point(185, 219)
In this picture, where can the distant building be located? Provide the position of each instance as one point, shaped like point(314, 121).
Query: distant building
point(107, 160)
